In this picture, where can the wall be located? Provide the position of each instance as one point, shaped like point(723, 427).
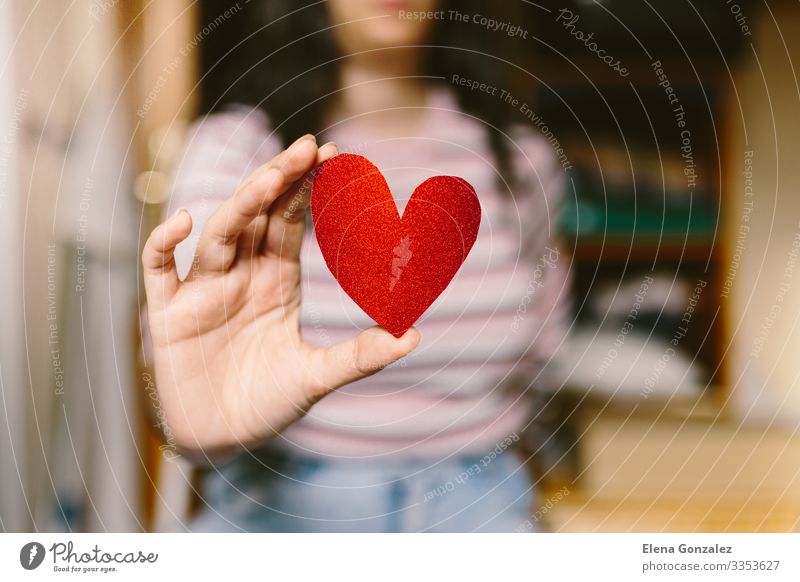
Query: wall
point(764, 302)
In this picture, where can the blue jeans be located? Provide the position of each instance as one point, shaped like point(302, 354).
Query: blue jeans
point(266, 492)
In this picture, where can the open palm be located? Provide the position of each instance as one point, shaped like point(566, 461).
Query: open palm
point(231, 367)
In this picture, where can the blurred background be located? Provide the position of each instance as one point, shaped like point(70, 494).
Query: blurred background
point(678, 400)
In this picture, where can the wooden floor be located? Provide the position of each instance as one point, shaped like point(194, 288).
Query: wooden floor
point(579, 515)
point(672, 474)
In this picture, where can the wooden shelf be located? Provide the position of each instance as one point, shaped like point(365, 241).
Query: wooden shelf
point(585, 72)
point(616, 248)
point(704, 407)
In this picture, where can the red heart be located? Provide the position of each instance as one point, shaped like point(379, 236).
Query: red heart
point(392, 267)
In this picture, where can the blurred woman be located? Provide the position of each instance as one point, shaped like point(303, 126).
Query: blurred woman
point(250, 329)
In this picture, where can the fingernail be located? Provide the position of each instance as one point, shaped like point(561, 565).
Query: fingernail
point(330, 144)
point(308, 136)
point(177, 212)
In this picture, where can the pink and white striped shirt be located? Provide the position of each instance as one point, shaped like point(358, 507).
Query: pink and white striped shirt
point(504, 314)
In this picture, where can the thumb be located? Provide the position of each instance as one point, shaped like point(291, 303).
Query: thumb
point(368, 352)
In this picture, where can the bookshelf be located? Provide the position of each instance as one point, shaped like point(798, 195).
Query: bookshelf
point(647, 151)
point(690, 464)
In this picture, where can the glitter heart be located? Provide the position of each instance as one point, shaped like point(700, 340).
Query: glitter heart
point(393, 267)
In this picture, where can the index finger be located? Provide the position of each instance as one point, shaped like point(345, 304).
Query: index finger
point(217, 247)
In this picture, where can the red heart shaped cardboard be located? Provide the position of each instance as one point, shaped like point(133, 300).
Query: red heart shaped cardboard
point(392, 267)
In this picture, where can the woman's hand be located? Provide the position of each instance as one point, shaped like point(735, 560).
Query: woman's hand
point(230, 366)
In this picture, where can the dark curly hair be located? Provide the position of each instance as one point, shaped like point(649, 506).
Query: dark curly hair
point(280, 56)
